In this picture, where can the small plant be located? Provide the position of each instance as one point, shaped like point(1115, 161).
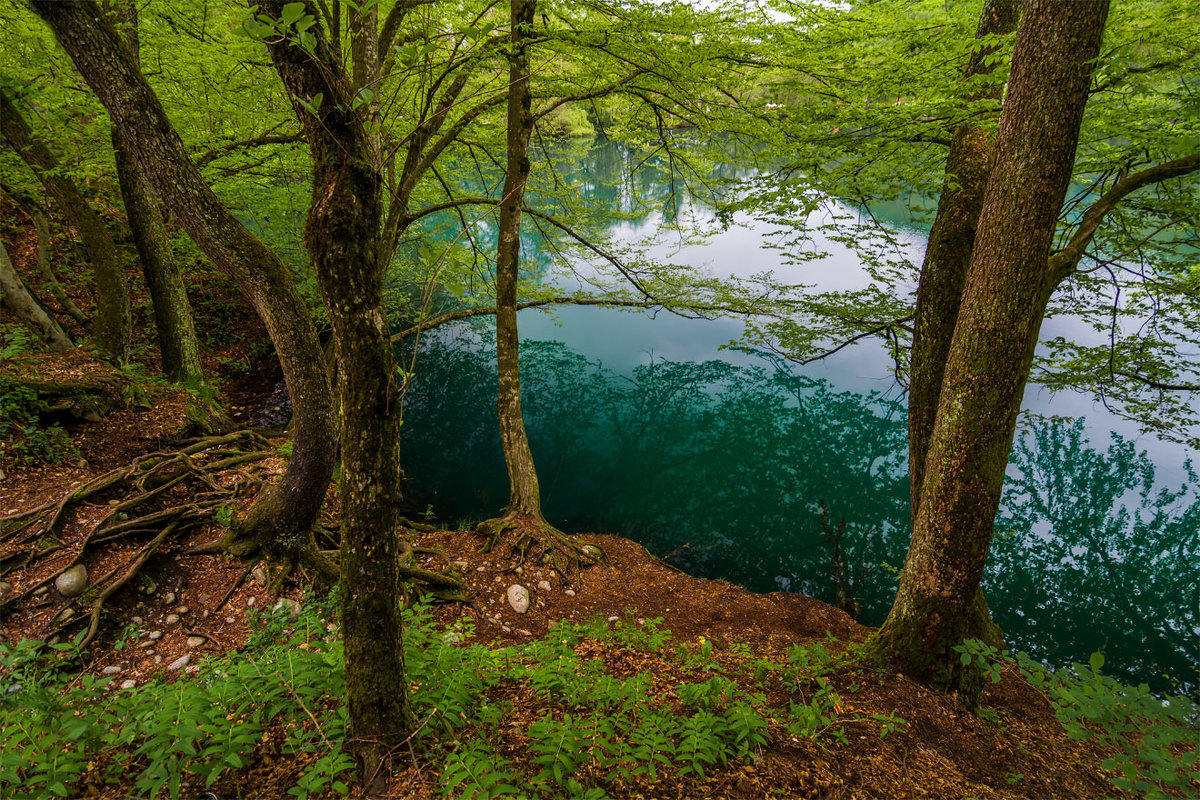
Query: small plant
point(981, 655)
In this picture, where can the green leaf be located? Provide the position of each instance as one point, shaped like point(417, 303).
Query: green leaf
point(291, 13)
point(1096, 661)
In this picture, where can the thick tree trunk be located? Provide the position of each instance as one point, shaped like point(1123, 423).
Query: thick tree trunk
point(111, 326)
point(342, 234)
point(944, 272)
point(1008, 285)
point(15, 296)
point(178, 344)
point(524, 493)
point(280, 522)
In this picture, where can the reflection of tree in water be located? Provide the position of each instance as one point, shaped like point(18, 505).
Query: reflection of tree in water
point(724, 467)
point(1092, 554)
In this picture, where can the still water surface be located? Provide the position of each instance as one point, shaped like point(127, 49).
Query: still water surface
point(642, 425)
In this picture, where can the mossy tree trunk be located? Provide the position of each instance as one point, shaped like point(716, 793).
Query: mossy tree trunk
point(342, 235)
point(178, 345)
point(280, 522)
point(15, 296)
point(111, 324)
point(944, 272)
point(1007, 288)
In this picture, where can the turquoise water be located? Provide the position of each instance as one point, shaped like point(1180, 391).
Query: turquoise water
point(719, 460)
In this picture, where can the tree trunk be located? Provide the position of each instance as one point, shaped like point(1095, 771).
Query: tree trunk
point(342, 235)
point(280, 522)
point(524, 494)
point(178, 346)
point(41, 225)
point(1007, 287)
point(111, 326)
point(944, 272)
point(15, 296)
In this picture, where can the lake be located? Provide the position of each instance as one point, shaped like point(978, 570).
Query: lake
point(721, 460)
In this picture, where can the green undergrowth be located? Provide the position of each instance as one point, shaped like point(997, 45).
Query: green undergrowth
point(591, 710)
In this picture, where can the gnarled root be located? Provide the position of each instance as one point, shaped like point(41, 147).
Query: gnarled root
point(531, 536)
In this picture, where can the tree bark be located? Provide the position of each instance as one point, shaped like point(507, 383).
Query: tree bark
point(944, 272)
point(111, 326)
point(15, 296)
point(524, 494)
point(41, 225)
point(280, 522)
point(178, 345)
point(1006, 291)
point(342, 237)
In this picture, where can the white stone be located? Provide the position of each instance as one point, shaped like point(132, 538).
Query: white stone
point(544, 586)
point(260, 575)
point(172, 619)
point(111, 670)
point(524, 632)
point(136, 620)
point(230, 620)
point(614, 619)
point(180, 662)
point(569, 592)
point(128, 683)
point(460, 565)
point(72, 582)
point(196, 641)
point(287, 605)
point(154, 635)
point(168, 598)
point(158, 659)
point(518, 598)
point(250, 601)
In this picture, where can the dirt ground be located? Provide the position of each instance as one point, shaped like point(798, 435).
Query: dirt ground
point(189, 605)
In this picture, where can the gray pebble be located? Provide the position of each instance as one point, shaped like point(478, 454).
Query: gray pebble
point(196, 641)
point(180, 662)
point(128, 683)
point(172, 619)
point(111, 670)
point(569, 592)
point(152, 635)
point(169, 598)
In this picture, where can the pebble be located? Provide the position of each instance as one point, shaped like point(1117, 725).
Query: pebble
point(5, 588)
point(288, 605)
point(260, 575)
point(518, 598)
point(66, 614)
point(196, 641)
point(506, 629)
point(230, 620)
point(72, 582)
point(169, 598)
point(136, 620)
point(202, 599)
point(452, 637)
point(481, 569)
point(158, 659)
point(111, 670)
point(569, 592)
point(154, 635)
point(172, 619)
point(250, 601)
point(204, 614)
point(182, 610)
point(544, 586)
point(614, 619)
point(146, 644)
point(180, 662)
point(459, 564)
point(524, 632)
point(128, 683)
point(41, 590)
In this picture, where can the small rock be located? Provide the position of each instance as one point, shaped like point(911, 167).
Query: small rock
point(250, 601)
point(569, 592)
point(590, 550)
point(230, 620)
point(182, 610)
point(151, 587)
point(519, 570)
point(153, 635)
point(129, 683)
point(111, 670)
point(72, 582)
point(193, 668)
point(518, 598)
point(524, 632)
point(158, 659)
point(544, 586)
point(180, 662)
point(506, 629)
point(168, 598)
point(459, 565)
point(172, 619)
point(202, 599)
point(145, 644)
point(498, 579)
point(481, 569)
point(196, 641)
point(41, 590)
point(204, 614)
point(66, 614)
point(112, 502)
point(5, 588)
point(136, 620)
point(288, 605)
point(614, 619)
point(260, 575)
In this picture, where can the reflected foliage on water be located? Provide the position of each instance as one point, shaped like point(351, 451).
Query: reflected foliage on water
point(721, 469)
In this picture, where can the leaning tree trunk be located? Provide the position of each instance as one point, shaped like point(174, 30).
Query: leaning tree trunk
point(524, 513)
point(944, 272)
point(280, 522)
point(1007, 288)
point(178, 345)
point(111, 326)
point(341, 235)
point(15, 296)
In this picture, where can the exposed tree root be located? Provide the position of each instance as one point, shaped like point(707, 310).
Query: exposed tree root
point(161, 495)
point(530, 536)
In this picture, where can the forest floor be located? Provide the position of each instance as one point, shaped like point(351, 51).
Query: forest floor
point(196, 605)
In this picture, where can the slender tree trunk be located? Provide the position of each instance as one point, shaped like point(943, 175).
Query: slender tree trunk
point(280, 522)
point(178, 344)
point(342, 236)
point(524, 493)
point(1007, 288)
point(15, 296)
point(111, 326)
point(41, 225)
point(944, 272)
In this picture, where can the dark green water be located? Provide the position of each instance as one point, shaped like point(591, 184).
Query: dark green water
point(643, 427)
